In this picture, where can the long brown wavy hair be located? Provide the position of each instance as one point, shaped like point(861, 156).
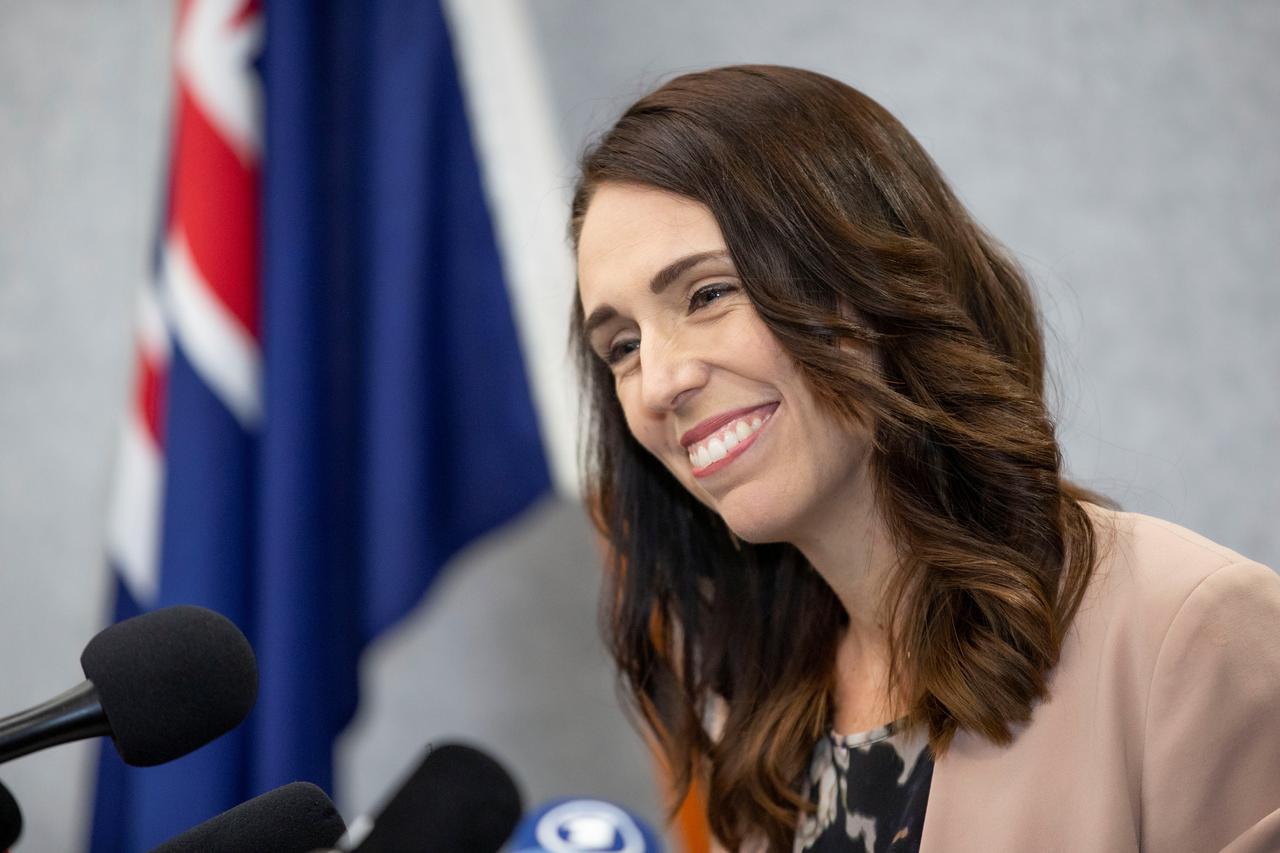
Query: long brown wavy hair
point(842, 230)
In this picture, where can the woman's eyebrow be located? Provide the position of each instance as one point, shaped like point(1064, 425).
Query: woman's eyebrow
point(660, 281)
point(598, 317)
point(677, 268)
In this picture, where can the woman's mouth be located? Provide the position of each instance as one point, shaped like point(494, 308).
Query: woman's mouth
point(708, 455)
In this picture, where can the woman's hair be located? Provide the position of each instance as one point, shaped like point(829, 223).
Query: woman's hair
point(847, 240)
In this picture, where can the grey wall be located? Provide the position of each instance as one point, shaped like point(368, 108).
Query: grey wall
point(1124, 149)
point(83, 96)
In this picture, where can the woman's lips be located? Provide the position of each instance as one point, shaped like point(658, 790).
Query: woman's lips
point(728, 440)
point(715, 423)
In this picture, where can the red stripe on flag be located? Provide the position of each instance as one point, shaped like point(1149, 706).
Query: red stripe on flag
point(247, 12)
point(215, 202)
point(149, 390)
point(184, 8)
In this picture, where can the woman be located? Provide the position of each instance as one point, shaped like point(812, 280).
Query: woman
point(853, 593)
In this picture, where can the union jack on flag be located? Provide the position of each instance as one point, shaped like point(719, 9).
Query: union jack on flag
point(205, 294)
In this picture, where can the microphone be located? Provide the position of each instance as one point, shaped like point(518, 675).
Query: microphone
point(161, 685)
point(294, 818)
point(10, 819)
point(458, 800)
point(574, 825)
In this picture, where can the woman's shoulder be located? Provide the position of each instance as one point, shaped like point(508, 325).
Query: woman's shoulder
point(1145, 539)
point(1183, 634)
point(1155, 565)
point(1167, 685)
point(1155, 580)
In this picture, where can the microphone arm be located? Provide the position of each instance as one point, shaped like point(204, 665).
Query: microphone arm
point(71, 716)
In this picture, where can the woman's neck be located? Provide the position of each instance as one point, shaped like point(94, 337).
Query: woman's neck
point(855, 553)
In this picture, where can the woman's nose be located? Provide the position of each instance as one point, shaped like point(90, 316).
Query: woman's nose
point(670, 373)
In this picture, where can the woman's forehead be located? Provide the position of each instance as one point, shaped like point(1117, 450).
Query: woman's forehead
point(630, 232)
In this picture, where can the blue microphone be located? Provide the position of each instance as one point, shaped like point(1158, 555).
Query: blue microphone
point(578, 825)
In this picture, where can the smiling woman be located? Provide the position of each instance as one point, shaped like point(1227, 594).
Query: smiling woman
point(852, 592)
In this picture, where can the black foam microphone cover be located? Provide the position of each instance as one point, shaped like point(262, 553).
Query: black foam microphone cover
point(170, 681)
point(10, 819)
point(458, 800)
point(294, 818)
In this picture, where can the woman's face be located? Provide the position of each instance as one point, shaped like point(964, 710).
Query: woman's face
point(703, 383)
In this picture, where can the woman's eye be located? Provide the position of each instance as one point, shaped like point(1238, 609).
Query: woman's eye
point(704, 296)
point(621, 350)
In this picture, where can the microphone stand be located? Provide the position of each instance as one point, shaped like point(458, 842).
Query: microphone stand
point(70, 716)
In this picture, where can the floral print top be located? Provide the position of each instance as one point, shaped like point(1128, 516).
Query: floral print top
point(869, 790)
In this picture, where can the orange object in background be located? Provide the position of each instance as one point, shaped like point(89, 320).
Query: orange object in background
point(690, 823)
point(689, 826)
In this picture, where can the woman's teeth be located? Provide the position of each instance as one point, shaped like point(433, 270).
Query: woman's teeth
point(716, 447)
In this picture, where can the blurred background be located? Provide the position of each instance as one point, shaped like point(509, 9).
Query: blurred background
point(1124, 150)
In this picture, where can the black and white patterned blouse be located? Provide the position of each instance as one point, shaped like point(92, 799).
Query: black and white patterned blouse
point(870, 790)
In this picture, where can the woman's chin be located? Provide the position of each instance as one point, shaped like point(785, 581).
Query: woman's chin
point(756, 525)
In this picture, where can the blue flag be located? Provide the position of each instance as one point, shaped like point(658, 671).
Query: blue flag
point(323, 419)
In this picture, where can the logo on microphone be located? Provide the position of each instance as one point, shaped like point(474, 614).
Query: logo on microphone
point(589, 825)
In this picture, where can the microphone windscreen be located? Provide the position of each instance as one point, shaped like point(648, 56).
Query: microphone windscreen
point(458, 800)
point(583, 825)
point(294, 818)
point(170, 681)
point(10, 819)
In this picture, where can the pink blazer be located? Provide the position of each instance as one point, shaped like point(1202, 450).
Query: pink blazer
point(1161, 733)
